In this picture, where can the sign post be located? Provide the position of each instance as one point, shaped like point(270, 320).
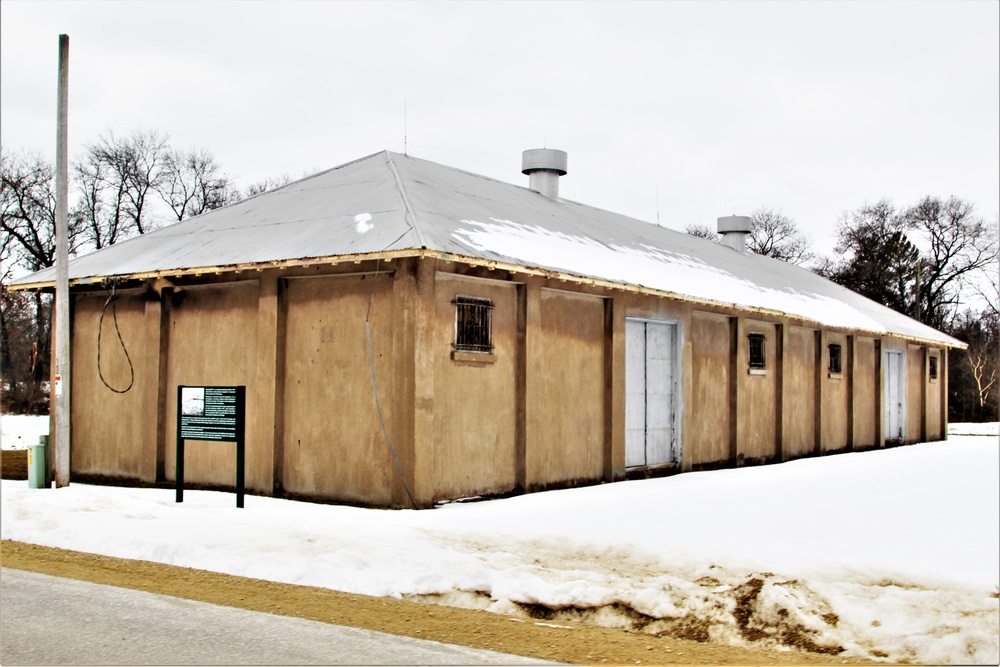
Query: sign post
point(211, 413)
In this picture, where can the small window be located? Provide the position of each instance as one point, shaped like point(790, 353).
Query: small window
point(932, 368)
point(835, 359)
point(473, 325)
point(756, 350)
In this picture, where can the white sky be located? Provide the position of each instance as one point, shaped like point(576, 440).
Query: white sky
point(711, 108)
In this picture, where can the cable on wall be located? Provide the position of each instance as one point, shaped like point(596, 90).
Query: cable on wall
point(112, 297)
point(378, 406)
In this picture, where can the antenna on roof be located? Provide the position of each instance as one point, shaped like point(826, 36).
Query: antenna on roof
point(404, 127)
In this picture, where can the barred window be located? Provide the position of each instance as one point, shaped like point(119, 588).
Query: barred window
point(835, 359)
point(473, 325)
point(756, 350)
point(933, 370)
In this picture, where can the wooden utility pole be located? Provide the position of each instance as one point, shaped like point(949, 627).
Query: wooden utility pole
point(62, 384)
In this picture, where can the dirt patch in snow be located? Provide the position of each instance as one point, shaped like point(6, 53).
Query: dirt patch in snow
point(14, 463)
point(542, 635)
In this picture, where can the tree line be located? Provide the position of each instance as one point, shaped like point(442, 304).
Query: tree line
point(931, 261)
point(935, 261)
point(122, 186)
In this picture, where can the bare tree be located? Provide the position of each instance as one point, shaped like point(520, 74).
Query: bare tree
point(774, 234)
point(27, 222)
point(958, 244)
point(119, 178)
point(193, 183)
point(265, 185)
point(28, 210)
point(702, 232)
point(878, 260)
point(972, 374)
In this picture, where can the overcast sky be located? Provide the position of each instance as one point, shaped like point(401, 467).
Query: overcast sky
point(710, 108)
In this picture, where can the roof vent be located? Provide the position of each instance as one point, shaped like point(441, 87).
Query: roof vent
point(544, 166)
point(734, 230)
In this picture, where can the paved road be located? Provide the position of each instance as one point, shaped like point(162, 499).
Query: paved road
point(51, 620)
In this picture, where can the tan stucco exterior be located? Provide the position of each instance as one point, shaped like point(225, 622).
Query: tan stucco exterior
point(546, 408)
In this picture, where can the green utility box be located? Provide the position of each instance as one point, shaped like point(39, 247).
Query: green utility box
point(36, 464)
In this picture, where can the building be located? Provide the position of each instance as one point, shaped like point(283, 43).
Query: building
point(395, 319)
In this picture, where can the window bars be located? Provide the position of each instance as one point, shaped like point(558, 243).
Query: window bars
point(473, 325)
point(756, 350)
point(835, 359)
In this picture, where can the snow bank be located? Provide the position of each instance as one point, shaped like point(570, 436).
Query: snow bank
point(890, 554)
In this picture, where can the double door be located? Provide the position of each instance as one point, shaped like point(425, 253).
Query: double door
point(651, 394)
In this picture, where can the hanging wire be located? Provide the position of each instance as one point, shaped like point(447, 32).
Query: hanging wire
point(378, 406)
point(112, 297)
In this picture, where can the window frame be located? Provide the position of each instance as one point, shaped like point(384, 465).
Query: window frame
point(472, 337)
point(756, 342)
point(932, 368)
point(835, 359)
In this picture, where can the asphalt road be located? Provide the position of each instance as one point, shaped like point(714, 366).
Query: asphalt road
point(52, 621)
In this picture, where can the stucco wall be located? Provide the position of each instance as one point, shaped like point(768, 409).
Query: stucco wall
point(107, 426)
point(799, 416)
point(866, 405)
point(915, 387)
point(333, 443)
point(213, 341)
point(934, 422)
point(473, 447)
point(757, 439)
point(566, 393)
point(836, 395)
point(706, 431)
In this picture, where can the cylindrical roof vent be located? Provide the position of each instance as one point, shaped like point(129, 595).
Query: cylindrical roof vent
point(734, 230)
point(544, 166)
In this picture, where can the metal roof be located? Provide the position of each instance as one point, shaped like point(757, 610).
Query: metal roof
point(392, 203)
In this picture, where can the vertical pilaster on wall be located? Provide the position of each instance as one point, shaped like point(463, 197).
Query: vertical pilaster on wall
point(614, 393)
point(400, 393)
point(738, 351)
point(781, 391)
point(423, 305)
point(162, 390)
point(688, 416)
point(852, 368)
point(533, 372)
point(520, 389)
point(820, 384)
point(151, 383)
point(925, 411)
point(266, 421)
point(943, 391)
point(879, 396)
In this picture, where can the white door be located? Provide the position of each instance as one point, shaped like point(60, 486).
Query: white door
point(650, 349)
point(635, 393)
point(893, 396)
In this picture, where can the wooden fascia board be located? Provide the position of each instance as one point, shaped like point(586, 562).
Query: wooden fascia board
point(491, 265)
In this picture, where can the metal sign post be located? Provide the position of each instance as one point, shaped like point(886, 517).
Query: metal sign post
point(211, 413)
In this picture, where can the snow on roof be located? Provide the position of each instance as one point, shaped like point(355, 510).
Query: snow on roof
point(389, 202)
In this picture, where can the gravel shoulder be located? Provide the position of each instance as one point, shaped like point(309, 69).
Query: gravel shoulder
point(561, 642)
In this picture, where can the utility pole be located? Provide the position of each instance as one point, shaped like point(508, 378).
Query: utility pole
point(61, 388)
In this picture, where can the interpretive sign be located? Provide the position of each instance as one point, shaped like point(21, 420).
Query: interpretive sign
point(211, 413)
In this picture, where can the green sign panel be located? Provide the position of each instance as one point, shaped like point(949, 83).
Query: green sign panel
point(211, 413)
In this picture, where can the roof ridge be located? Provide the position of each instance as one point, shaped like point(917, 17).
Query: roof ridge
point(410, 218)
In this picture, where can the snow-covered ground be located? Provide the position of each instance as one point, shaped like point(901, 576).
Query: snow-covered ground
point(22, 431)
point(891, 554)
